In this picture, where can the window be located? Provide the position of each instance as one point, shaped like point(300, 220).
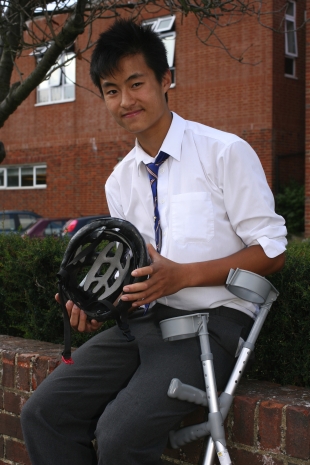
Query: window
point(164, 27)
point(23, 177)
point(291, 51)
point(7, 223)
point(60, 86)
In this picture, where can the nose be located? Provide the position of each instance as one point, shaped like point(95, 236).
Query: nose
point(128, 99)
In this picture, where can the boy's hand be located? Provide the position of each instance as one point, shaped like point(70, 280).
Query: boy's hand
point(78, 318)
point(165, 278)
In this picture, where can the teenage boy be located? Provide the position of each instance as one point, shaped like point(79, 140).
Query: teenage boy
point(213, 211)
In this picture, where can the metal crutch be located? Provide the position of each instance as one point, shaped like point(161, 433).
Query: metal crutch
point(248, 286)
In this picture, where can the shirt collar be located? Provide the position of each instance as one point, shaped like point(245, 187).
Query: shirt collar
point(171, 144)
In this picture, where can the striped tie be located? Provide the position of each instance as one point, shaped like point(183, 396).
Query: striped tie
point(152, 169)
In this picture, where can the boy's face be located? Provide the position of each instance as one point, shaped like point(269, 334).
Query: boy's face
point(135, 98)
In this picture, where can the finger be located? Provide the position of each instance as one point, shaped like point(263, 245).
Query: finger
point(94, 325)
point(82, 322)
point(145, 271)
point(140, 302)
point(137, 287)
point(152, 252)
point(91, 326)
point(75, 316)
point(57, 298)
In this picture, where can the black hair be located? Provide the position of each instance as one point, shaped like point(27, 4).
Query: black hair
point(122, 39)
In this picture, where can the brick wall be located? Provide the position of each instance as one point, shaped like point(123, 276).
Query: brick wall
point(267, 425)
point(80, 143)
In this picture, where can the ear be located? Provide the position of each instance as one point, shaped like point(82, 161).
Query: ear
point(166, 81)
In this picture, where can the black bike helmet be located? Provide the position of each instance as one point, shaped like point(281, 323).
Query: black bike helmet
point(97, 264)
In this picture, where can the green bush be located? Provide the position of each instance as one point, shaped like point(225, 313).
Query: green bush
point(283, 347)
point(290, 203)
point(28, 284)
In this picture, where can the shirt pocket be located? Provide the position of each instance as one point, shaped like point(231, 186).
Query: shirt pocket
point(192, 217)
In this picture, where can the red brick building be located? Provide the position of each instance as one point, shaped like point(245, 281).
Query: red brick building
point(60, 152)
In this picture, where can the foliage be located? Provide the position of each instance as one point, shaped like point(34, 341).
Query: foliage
point(28, 284)
point(283, 347)
point(290, 203)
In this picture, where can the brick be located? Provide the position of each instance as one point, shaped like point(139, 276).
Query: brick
point(23, 371)
point(16, 451)
point(10, 426)
point(14, 402)
point(244, 457)
point(52, 364)
point(8, 363)
point(40, 370)
point(270, 419)
point(298, 432)
point(244, 412)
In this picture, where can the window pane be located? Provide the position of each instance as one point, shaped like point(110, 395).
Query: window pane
point(289, 66)
point(69, 92)
point(291, 37)
point(56, 94)
point(55, 79)
point(26, 220)
point(290, 9)
point(6, 223)
point(44, 84)
point(169, 43)
point(40, 176)
point(27, 176)
point(54, 228)
point(2, 178)
point(69, 69)
point(164, 24)
point(12, 177)
point(43, 95)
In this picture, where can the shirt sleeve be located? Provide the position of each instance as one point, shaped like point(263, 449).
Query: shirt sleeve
point(113, 197)
point(249, 201)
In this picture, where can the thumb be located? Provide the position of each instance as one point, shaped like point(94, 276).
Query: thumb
point(152, 252)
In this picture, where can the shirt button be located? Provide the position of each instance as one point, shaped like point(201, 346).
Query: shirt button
point(164, 233)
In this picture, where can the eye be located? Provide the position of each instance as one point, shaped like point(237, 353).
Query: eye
point(137, 84)
point(111, 92)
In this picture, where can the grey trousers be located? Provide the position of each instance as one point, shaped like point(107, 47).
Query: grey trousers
point(116, 392)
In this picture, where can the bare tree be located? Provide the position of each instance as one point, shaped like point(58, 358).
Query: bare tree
point(21, 32)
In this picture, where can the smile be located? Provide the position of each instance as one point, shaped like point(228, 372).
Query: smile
point(131, 114)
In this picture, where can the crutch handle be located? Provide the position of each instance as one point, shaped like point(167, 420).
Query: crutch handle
point(178, 390)
point(188, 434)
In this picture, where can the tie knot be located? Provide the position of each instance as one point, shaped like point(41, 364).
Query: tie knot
point(159, 160)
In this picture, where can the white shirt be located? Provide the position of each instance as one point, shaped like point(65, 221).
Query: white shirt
point(213, 201)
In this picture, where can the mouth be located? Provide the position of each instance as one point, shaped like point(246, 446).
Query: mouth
point(131, 114)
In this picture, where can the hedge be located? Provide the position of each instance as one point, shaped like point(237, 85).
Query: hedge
point(28, 284)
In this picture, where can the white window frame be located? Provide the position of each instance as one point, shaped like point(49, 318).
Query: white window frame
point(164, 31)
point(57, 78)
point(292, 19)
point(4, 170)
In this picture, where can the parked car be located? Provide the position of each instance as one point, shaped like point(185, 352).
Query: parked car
point(46, 227)
point(16, 220)
point(74, 224)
